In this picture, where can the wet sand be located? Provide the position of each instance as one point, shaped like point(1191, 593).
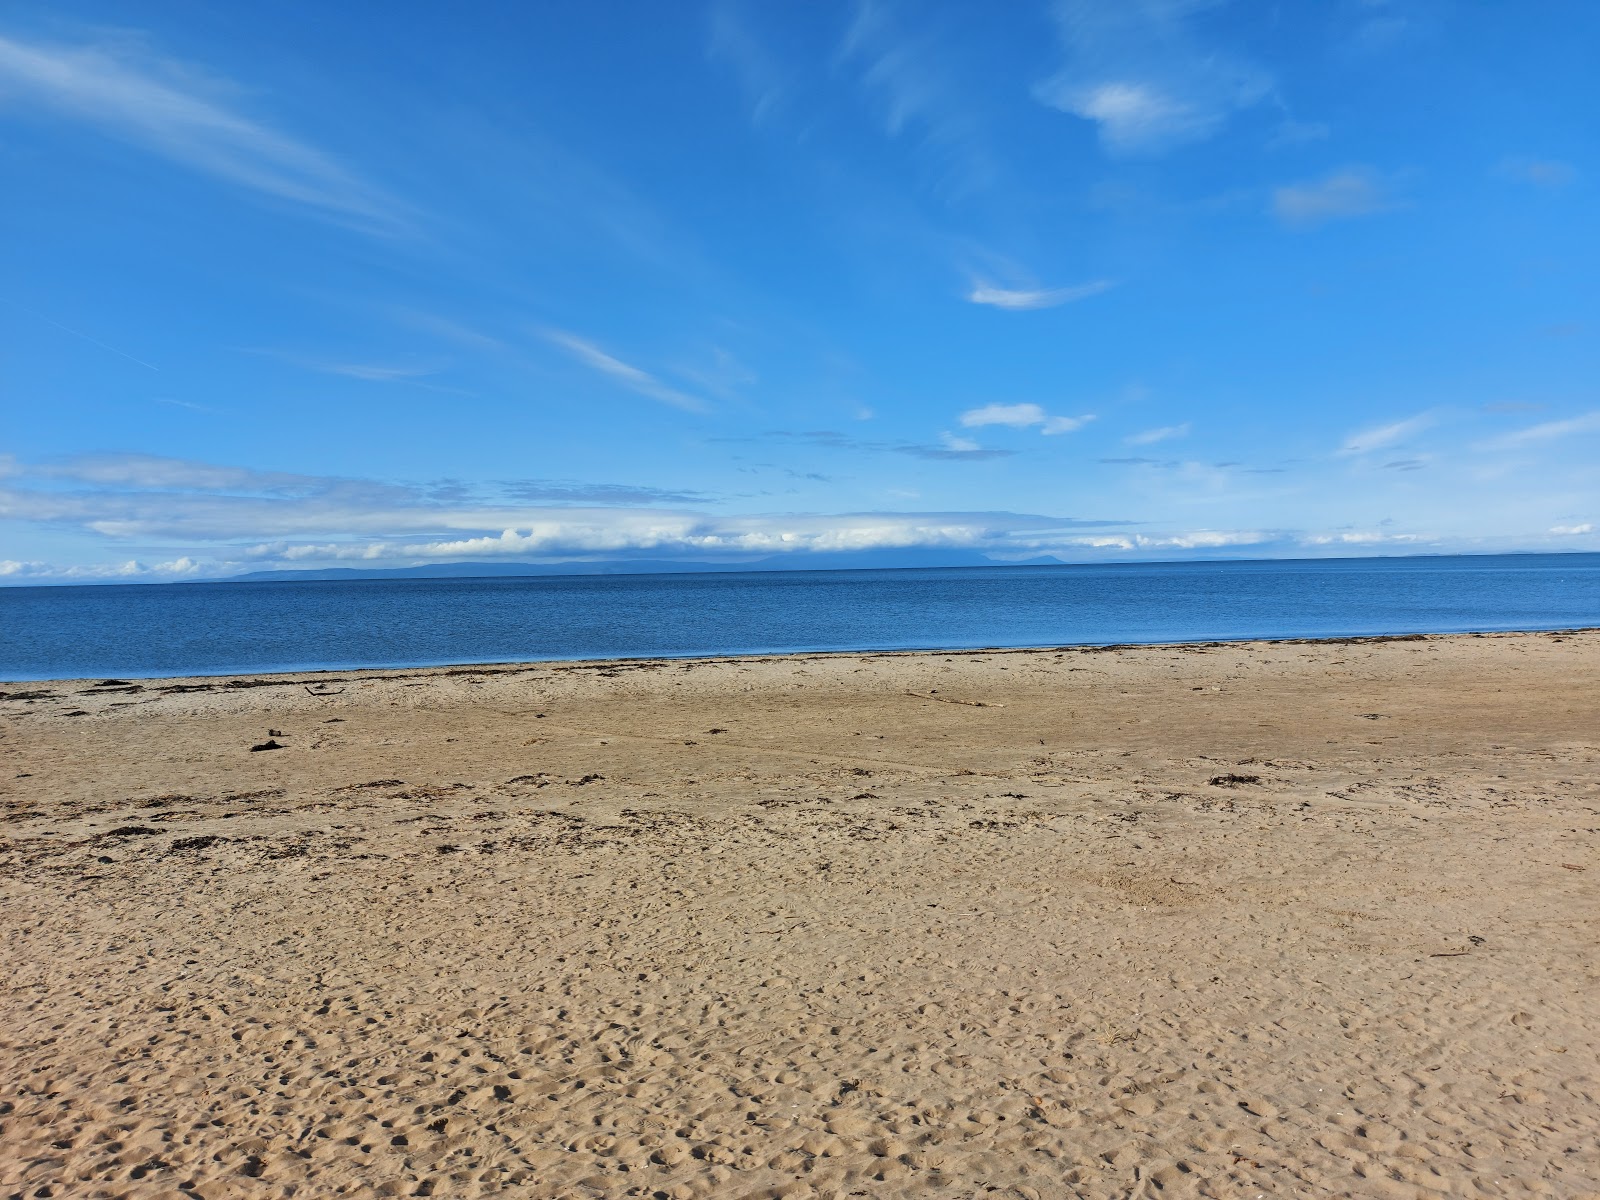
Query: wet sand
point(1293, 919)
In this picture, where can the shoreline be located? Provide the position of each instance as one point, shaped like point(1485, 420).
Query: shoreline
point(502, 666)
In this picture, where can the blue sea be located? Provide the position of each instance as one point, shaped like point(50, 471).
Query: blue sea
point(150, 630)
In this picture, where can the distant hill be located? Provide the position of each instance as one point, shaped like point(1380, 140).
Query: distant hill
point(837, 561)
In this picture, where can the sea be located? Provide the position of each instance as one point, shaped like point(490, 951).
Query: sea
point(224, 628)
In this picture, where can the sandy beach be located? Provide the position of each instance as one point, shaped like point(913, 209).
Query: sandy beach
point(1266, 919)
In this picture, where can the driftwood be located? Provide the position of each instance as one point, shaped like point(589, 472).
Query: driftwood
point(949, 700)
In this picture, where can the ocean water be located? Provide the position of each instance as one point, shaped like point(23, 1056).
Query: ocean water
point(226, 628)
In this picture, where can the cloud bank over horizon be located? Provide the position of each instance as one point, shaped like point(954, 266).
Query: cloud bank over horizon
point(203, 520)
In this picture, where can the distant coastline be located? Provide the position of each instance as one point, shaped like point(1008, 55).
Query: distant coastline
point(820, 562)
point(914, 560)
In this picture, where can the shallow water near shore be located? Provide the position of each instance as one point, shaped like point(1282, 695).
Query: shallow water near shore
point(225, 628)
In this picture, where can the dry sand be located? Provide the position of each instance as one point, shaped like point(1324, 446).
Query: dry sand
point(1235, 920)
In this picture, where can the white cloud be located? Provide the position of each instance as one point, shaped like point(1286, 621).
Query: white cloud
point(1352, 192)
point(959, 445)
point(1018, 416)
point(1137, 70)
point(1543, 172)
point(1572, 530)
point(1380, 436)
point(1363, 539)
point(1022, 416)
point(628, 375)
point(1546, 432)
point(1024, 299)
point(1164, 434)
point(1200, 539)
point(161, 107)
point(1135, 116)
point(1055, 425)
point(798, 534)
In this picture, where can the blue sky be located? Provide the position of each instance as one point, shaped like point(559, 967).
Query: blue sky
point(379, 284)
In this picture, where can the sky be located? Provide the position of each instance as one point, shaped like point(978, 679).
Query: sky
point(306, 285)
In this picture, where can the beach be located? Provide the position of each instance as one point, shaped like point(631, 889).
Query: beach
point(1245, 919)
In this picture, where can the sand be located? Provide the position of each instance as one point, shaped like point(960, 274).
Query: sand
point(1295, 919)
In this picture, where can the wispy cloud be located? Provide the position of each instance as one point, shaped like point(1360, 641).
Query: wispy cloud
point(949, 447)
point(1055, 425)
point(376, 372)
point(628, 375)
point(1142, 74)
point(161, 107)
point(952, 449)
point(77, 333)
point(1165, 464)
point(1023, 299)
point(443, 327)
point(1572, 530)
point(1297, 133)
point(1351, 192)
point(765, 79)
point(1380, 27)
point(1380, 436)
point(1022, 416)
point(1542, 172)
point(1549, 431)
point(368, 372)
point(152, 472)
point(121, 495)
point(718, 371)
point(557, 491)
point(917, 95)
point(1164, 434)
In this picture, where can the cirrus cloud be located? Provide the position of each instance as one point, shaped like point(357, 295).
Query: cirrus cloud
point(1026, 299)
point(1548, 431)
point(160, 107)
point(631, 377)
point(1164, 434)
point(1380, 436)
point(1351, 192)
